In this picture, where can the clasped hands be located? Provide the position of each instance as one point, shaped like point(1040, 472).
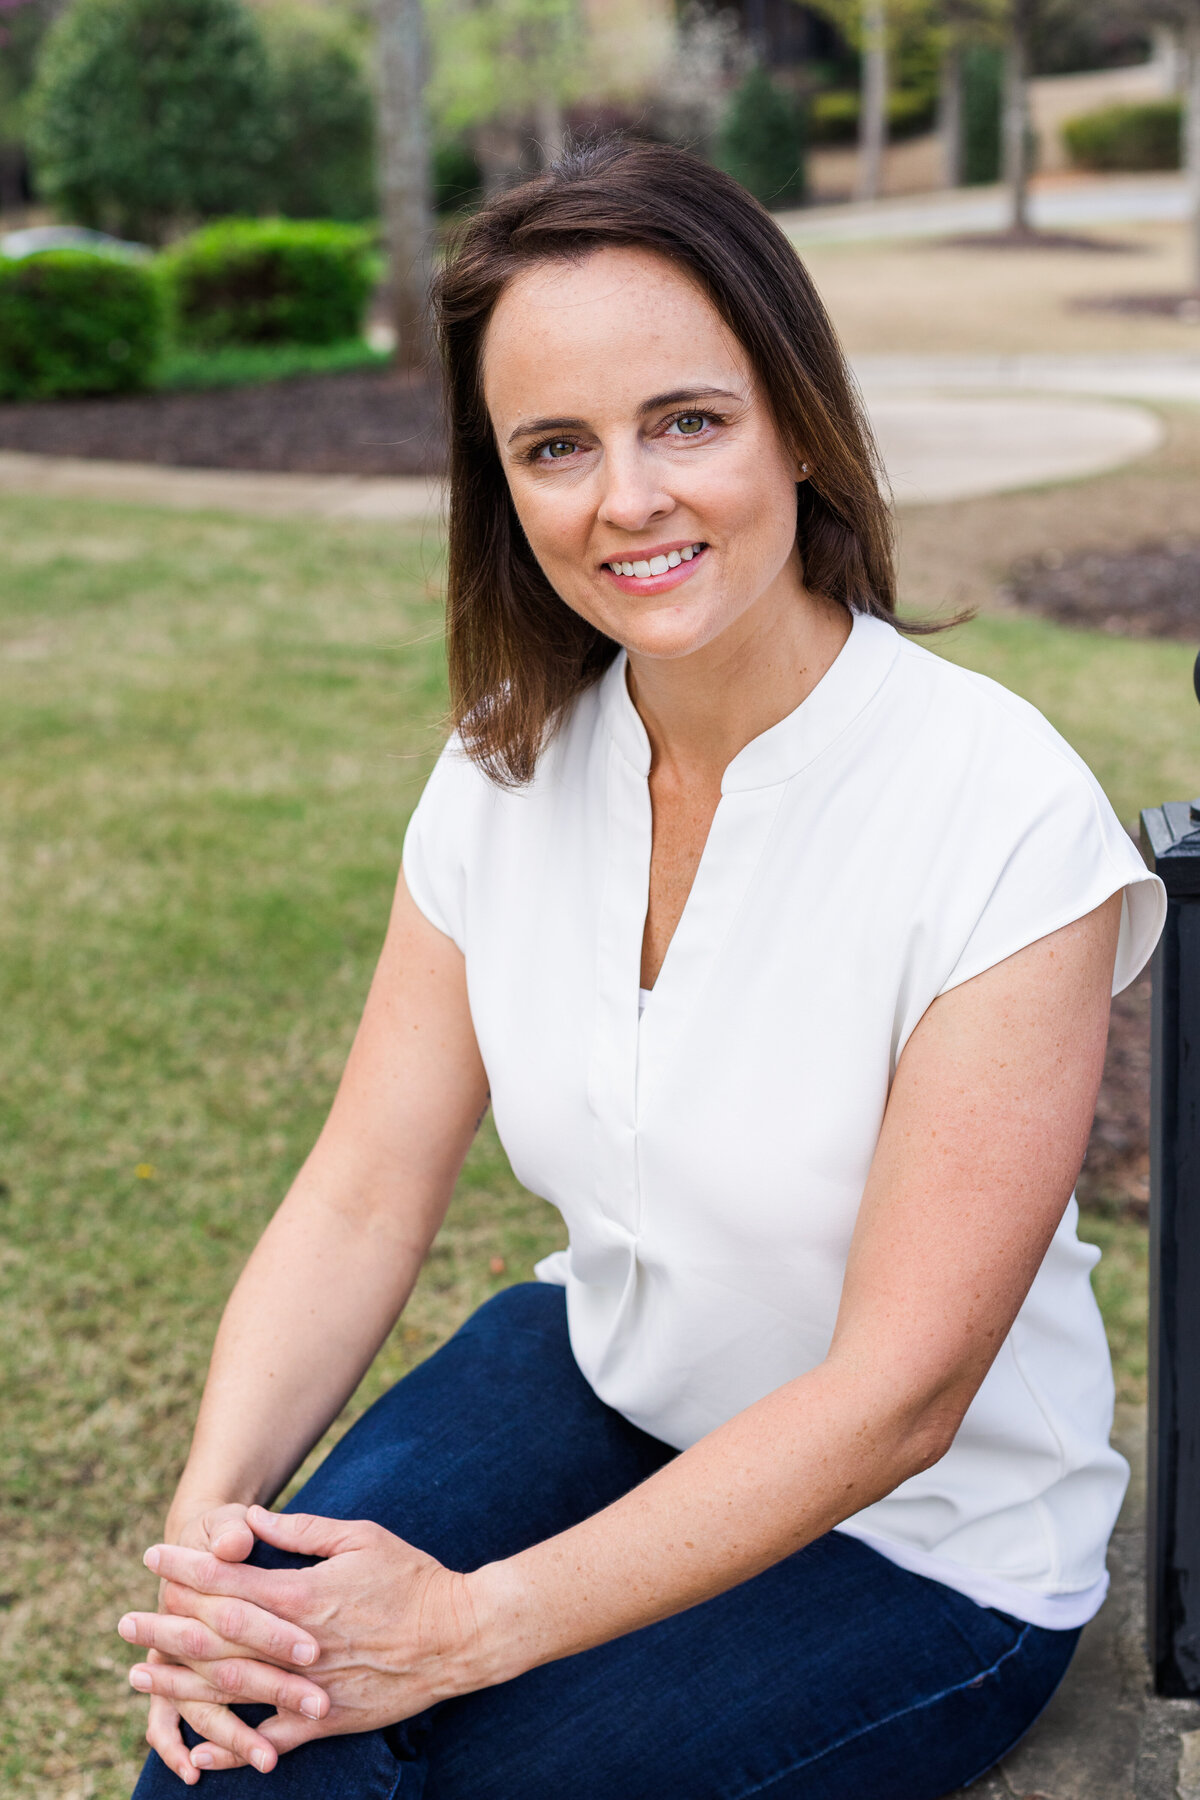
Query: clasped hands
point(384, 1629)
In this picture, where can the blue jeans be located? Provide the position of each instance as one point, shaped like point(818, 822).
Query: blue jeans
point(834, 1675)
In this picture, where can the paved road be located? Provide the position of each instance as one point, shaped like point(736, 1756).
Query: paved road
point(1071, 206)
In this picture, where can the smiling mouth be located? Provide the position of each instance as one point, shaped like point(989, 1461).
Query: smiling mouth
point(648, 568)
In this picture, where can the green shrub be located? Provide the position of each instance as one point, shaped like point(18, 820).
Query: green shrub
point(323, 117)
point(834, 114)
point(1145, 136)
point(75, 323)
point(982, 106)
point(247, 365)
point(270, 281)
point(761, 142)
point(457, 181)
point(146, 112)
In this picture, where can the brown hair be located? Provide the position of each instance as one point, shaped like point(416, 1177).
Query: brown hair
point(518, 654)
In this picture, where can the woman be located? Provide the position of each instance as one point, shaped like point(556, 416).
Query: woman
point(792, 1474)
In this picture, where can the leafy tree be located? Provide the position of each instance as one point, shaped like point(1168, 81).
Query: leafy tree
point(324, 116)
point(761, 142)
point(146, 112)
point(23, 23)
point(523, 62)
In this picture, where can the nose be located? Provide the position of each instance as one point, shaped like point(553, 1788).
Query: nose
point(632, 492)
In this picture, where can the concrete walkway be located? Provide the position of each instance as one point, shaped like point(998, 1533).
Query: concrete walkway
point(1075, 205)
point(1103, 1736)
point(936, 447)
point(1173, 378)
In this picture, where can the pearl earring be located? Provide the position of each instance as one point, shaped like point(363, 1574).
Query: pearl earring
point(804, 468)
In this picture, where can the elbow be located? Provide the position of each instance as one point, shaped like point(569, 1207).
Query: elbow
point(928, 1436)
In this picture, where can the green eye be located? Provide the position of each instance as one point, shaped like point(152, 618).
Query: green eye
point(691, 423)
point(559, 447)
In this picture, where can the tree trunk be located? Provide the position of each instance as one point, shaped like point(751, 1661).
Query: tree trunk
point(872, 123)
point(404, 173)
point(1016, 114)
point(1191, 133)
point(551, 129)
point(950, 114)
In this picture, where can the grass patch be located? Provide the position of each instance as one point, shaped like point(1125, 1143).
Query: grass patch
point(211, 733)
point(242, 365)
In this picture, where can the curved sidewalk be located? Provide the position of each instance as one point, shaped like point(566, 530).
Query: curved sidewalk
point(937, 446)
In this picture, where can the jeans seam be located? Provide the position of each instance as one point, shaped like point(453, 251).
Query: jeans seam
point(957, 1687)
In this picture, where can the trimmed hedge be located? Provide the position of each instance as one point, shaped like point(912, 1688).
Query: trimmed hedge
point(1144, 136)
point(72, 322)
point(324, 118)
point(270, 281)
point(833, 115)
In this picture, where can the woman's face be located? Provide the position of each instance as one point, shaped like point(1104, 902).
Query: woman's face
point(632, 432)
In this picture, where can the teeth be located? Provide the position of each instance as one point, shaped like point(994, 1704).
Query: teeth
point(656, 565)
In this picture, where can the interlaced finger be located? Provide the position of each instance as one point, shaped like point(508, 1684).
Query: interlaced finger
point(233, 1680)
point(200, 1628)
point(229, 1735)
point(164, 1736)
point(275, 1590)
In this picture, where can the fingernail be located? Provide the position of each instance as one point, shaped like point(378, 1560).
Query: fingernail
point(202, 1759)
point(261, 1761)
point(141, 1679)
point(151, 1559)
point(128, 1629)
point(310, 1706)
point(304, 1653)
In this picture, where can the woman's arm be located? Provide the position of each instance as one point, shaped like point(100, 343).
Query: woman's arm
point(333, 1269)
point(330, 1274)
point(984, 1134)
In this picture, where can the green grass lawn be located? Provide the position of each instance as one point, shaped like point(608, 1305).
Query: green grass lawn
point(211, 733)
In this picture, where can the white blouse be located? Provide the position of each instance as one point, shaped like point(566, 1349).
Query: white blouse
point(906, 827)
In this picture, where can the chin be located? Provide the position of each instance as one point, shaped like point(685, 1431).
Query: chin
point(666, 633)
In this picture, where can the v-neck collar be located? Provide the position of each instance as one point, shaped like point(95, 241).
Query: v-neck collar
point(850, 681)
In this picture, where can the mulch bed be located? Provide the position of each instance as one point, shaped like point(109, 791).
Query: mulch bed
point(1040, 240)
point(1116, 1173)
point(366, 422)
point(1153, 591)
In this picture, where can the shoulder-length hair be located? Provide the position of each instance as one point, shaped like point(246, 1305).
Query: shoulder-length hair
point(518, 655)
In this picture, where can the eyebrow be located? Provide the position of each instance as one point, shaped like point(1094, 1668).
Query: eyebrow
point(535, 427)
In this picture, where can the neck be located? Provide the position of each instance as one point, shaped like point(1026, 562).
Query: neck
point(700, 710)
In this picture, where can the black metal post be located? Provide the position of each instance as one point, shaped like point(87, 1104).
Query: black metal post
point(1171, 843)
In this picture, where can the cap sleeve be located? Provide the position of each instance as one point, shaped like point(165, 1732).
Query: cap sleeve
point(1060, 862)
point(435, 844)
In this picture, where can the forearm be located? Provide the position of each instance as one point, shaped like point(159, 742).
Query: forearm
point(313, 1305)
point(761, 1486)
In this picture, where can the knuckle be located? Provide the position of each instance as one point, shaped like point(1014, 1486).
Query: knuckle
point(229, 1677)
point(231, 1621)
point(195, 1641)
